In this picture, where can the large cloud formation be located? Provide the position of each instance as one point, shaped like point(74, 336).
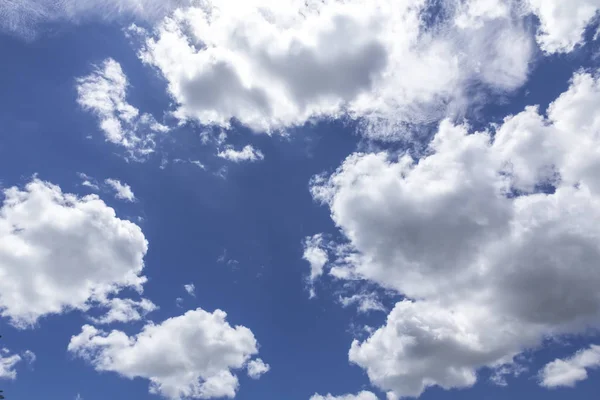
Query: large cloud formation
point(274, 64)
point(60, 252)
point(491, 238)
point(190, 356)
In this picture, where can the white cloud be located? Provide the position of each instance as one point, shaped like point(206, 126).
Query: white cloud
point(500, 373)
point(316, 255)
point(364, 395)
point(125, 310)
point(8, 362)
point(248, 153)
point(365, 302)
point(474, 13)
point(104, 92)
point(190, 289)
point(469, 238)
point(122, 190)
point(60, 252)
point(29, 357)
point(569, 371)
point(563, 22)
point(315, 252)
point(26, 18)
point(88, 181)
point(275, 64)
point(190, 356)
point(257, 368)
point(197, 163)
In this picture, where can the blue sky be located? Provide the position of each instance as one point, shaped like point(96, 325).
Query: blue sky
point(317, 200)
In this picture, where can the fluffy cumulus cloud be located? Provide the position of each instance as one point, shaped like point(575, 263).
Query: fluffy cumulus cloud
point(26, 17)
point(122, 190)
point(9, 361)
point(271, 64)
point(248, 153)
point(104, 93)
point(193, 355)
point(60, 252)
point(484, 231)
point(364, 395)
point(563, 22)
point(569, 371)
point(257, 368)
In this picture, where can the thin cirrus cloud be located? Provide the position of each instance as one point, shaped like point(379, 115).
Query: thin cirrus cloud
point(192, 356)
point(507, 255)
point(27, 18)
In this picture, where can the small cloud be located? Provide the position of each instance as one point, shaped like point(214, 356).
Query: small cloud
point(125, 310)
point(315, 252)
point(233, 263)
point(123, 190)
point(568, 372)
point(29, 357)
point(501, 372)
point(8, 362)
point(256, 368)
point(88, 181)
point(197, 163)
point(104, 93)
point(190, 288)
point(365, 302)
point(208, 136)
point(248, 153)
